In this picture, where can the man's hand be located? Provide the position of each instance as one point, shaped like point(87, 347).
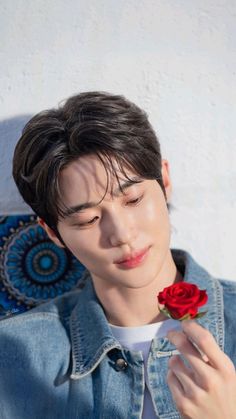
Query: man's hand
point(206, 389)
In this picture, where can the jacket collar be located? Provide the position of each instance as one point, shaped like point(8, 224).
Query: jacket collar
point(91, 335)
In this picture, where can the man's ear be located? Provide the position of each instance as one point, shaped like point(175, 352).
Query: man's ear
point(165, 170)
point(50, 232)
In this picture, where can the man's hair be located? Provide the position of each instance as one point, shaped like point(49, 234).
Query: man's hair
point(94, 123)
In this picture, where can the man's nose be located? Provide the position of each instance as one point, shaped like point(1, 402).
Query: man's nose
point(122, 231)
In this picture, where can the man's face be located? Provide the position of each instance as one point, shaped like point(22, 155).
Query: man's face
point(121, 238)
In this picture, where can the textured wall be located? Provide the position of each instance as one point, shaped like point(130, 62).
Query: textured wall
point(176, 58)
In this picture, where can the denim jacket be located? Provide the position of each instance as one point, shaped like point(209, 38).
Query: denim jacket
point(61, 360)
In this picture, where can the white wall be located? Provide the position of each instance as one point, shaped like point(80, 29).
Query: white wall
point(175, 58)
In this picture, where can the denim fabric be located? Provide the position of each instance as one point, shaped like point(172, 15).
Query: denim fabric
point(61, 361)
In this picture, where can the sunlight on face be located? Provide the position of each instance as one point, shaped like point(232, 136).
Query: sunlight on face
point(122, 238)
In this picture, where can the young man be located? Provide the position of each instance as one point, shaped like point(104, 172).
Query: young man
point(93, 173)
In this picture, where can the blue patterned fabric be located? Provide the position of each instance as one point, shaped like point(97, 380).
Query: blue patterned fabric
point(32, 268)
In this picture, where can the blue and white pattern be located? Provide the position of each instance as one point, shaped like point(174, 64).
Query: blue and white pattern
point(32, 268)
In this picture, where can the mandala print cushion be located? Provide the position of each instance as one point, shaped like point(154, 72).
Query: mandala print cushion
point(32, 268)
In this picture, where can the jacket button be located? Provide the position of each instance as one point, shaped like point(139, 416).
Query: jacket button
point(121, 364)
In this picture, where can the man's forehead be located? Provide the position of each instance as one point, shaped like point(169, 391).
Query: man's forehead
point(89, 165)
point(87, 176)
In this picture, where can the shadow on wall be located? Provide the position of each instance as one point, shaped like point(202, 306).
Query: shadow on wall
point(10, 132)
point(32, 268)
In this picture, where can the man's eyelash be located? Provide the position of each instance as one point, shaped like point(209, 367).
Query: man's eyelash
point(135, 201)
point(90, 222)
point(94, 219)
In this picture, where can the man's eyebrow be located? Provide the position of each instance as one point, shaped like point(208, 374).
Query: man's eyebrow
point(118, 191)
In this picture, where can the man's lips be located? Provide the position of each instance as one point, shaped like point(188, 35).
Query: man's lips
point(133, 259)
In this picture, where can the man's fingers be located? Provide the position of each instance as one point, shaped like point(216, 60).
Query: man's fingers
point(183, 403)
point(183, 373)
point(199, 367)
point(207, 344)
point(175, 385)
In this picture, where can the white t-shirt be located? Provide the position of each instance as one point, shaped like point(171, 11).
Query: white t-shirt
point(140, 339)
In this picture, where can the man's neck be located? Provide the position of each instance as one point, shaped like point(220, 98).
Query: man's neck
point(132, 307)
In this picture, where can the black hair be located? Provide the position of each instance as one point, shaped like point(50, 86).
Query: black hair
point(92, 123)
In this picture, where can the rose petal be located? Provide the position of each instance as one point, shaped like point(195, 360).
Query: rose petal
point(182, 299)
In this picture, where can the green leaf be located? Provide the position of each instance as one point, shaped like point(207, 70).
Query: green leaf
point(165, 312)
point(185, 317)
point(200, 314)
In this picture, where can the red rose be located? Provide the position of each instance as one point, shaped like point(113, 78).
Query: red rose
point(182, 301)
